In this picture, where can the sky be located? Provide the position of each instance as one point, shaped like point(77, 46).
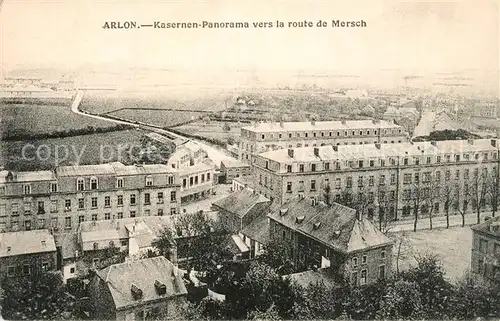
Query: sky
point(412, 36)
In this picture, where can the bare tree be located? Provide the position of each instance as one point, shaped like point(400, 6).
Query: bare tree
point(414, 196)
point(463, 198)
point(400, 243)
point(384, 202)
point(493, 188)
point(431, 189)
point(447, 196)
point(479, 190)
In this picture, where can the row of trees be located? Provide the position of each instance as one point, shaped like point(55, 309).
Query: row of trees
point(421, 292)
point(89, 130)
point(426, 196)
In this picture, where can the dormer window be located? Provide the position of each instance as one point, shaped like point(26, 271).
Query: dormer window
point(149, 181)
point(27, 189)
point(119, 182)
point(80, 184)
point(53, 187)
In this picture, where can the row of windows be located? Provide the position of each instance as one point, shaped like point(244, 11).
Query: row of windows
point(362, 279)
point(339, 133)
point(25, 269)
point(193, 180)
point(14, 207)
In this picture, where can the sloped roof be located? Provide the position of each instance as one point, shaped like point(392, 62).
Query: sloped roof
point(312, 277)
point(26, 242)
point(143, 274)
point(258, 229)
point(240, 202)
point(319, 125)
point(485, 227)
point(335, 226)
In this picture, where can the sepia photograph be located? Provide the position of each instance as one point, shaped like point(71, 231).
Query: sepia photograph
point(249, 160)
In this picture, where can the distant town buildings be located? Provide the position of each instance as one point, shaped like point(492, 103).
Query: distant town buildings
point(264, 137)
point(332, 237)
point(231, 169)
point(485, 256)
point(389, 181)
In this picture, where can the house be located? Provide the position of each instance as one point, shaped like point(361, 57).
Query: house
point(238, 209)
point(232, 169)
point(137, 290)
point(240, 183)
point(332, 236)
point(485, 256)
point(27, 253)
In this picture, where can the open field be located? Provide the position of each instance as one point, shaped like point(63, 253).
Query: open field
point(82, 149)
point(36, 119)
point(452, 246)
point(100, 103)
point(214, 130)
point(162, 118)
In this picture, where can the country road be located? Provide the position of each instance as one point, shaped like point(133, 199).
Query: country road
point(214, 153)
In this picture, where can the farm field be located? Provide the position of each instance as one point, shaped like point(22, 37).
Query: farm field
point(452, 246)
point(85, 148)
point(162, 118)
point(101, 103)
point(214, 130)
point(36, 119)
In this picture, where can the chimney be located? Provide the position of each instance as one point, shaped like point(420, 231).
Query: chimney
point(299, 219)
point(313, 201)
point(316, 151)
point(470, 141)
point(313, 122)
point(344, 122)
point(433, 143)
point(377, 145)
point(281, 124)
point(316, 225)
point(290, 152)
point(494, 142)
point(136, 292)
point(161, 289)
point(8, 249)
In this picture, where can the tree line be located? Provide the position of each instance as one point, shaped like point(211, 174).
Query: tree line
point(89, 130)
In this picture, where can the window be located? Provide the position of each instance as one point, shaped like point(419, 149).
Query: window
point(371, 180)
point(289, 168)
point(119, 200)
point(173, 197)
point(149, 181)
point(67, 222)
point(80, 184)
point(96, 246)
point(349, 182)
point(26, 269)
point(338, 183)
point(438, 176)
point(301, 168)
point(107, 201)
point(2, 210)
point(107, 216)
point(417, 178)
point(27, 189)
point(147, 199)
point(191, 181)
point(483, 246)
point(289, 187)
point(2, 190)
point(119, 182)
point(94, 217)
point(41, 207)
point(393, 179)
point(208, 176)
point(53, 187)
point(170, 179)
point(132, 199)
point(381, 272)
point(184, 182)
point(405, 161)
point(407, 179)
point(160, 197)
point(355, 262)
point(93, 183)
point(360, 164)
point(81, 219)
point(14, 209)
point(428, 159)
point(363, 259)
point(160, 212)
point(360, 181)
point(173, 210)
point(354, 278)
point(81, 203)
point(362, 280)
point(313, 185)
point(120, 215)
point(94, 202)
point(382, 254)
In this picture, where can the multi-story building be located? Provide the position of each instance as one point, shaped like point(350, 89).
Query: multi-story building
point(196, 171)
point(61, 199)
point(485, 256)
point(334, 237)
point(27, 254)
point(234, 169)
point(386, 180)
point(270, 136)
point(146, 289)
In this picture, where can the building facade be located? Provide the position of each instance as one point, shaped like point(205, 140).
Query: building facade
point(485, 256)
point(264, 137)
point(390, 181)
point(61, 199)
point(27, 254)
point(234, 169)
point(333, 237)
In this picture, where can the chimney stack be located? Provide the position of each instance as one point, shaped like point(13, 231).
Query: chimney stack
point(494, 142)
point(377, 145)
point(282, 124)
point(316, 151)
point(335, 148)
point(433, 143)
point(344, 122)
point(470, 141)
point(290, 152)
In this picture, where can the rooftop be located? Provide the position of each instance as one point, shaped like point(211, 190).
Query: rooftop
point(230, 163)
point(258, 229)
point(312, 277)
point(164, 139)
point(319, 125)
point(335, 226)
point(490, 227)
point(26, 242)
point(122, 279)
point(34, 176)
point(240, 202)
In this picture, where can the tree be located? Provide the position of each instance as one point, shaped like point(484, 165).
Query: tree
point(431, 193)
point(402, 301)
point(493, 188)
point(278, 255)
point(447, 192)
point(384, 202)
point(464, 199)
point(327, 194)
point(414, 196)
point(400, 243)
point(164, 243)
point(479, 191)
